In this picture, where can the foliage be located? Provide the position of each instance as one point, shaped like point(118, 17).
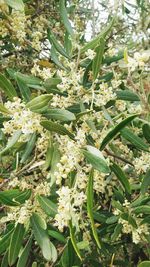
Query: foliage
point(74, 134)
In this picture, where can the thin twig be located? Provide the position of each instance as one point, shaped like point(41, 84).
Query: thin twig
point(118, 157)
point(30, 163)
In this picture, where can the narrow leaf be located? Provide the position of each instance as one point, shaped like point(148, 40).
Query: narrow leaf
point(28, 79)
point(145, 183)
point(121, 177)
point(52, 83)
point(42, 238)
point(59, 114)
point(15, 243)
point(57, 46)
point(11, 142)
point(64, 17)
point(55, 59)
point(7, 87)
point(72, 236)
point(4, 262)
point(94, 156)
point(127, 95)
point(112, 133)
point(90, 207)
point(57, 128)
point(29, 148)
point(48, 206)
point(4, 241)
point(144, 209)
point(39, 102)
point(24, 90)
point(134, 139)
point(58, 236)
point(23, 258)
point(146, 132)
point(98, 58)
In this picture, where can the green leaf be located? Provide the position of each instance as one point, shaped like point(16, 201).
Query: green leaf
point(59, 114)
point(11, 142)
point(69, 256)
point(7, 87)
point(146, 132)
point(48, 250)
point(108, 60)
point(39, 102)
point(64, 17)
point(73, 240)
point(23, 196)
point(121, 177)
point(16, 4)
point(28, 79)
point(54, 160)
point(4, 110)
point(68, 43)
point(134, 139)
point(57, 46)
point(14, 197)
point(95, 157)
point(117, 232)
point(127, 95)
point(55, 58)
point(57, 236)
point(51, 83)
point(83, 245)
point(4, 262)
point(24, 90)
point(144, 264)
point(112, 133)
point(98, 58)
point(23, 257)
point(4, 241)
point(47, 205)
point(144, 209)
point(15, 243)
point(132, 221)
point(90, 207)
point(92, 44)
point(29, 148)
point(49, 155)
point(7, 196)
point(112, 219)
point(57, 128)
point(145, 183)
point(40, 221)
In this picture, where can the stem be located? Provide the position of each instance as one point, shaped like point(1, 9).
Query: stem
point(118, 157)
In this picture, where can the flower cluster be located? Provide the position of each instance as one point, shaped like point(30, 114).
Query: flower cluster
point(69, 207)
point(18, 25)
point(21, 119)
point(139, 230)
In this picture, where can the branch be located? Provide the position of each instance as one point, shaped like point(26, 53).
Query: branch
point(118, 157)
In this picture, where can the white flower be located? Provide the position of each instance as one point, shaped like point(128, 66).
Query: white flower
point(90, 54)
point(142, 163)
point(104, 95)
point(69, 202)
point(22, 119)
